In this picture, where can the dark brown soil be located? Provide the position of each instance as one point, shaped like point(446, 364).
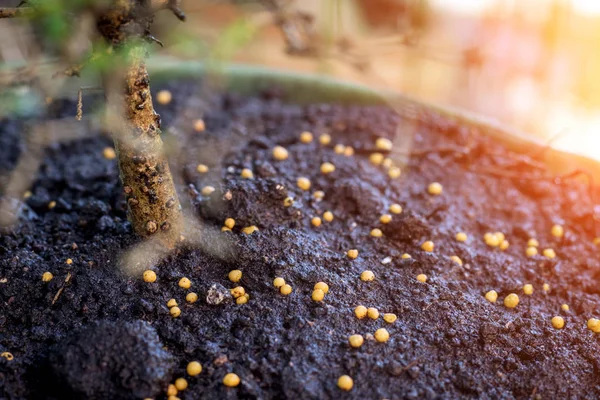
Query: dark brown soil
point(448, 341)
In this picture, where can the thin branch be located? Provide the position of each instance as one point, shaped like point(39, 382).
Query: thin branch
point(13, 12)
point(82, 89)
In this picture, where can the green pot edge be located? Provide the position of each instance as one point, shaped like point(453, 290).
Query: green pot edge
point(303, 88)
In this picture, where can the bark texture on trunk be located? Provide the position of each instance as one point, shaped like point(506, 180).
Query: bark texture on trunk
point(154, 208)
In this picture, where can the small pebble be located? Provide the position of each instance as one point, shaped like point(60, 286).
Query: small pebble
point(238, 291)
point(322, 286)
point(549, 253)
point(594, 325)
point(109, 153)
point(511, 301)
point(557, 231)
point(461, 237)
point(171, 390)
point(280, 153)
point(231, 380)
point(47, 276)
point(531, 251)
point(318, 295)
point(367, 276)
point(376, 232)
point(164, 97)
point(381, 335)
point(457, 260)
point(149, 276)
point(172, 303)
point(385, 219)
point(546, 287)
point(372, 313)
point(396, 209)
point(376, 158)
point(306, 137)
point(492, 239)
point(356, 341)
point(207, 190)
point(235, 275)
point(249, 230)
point(394, 172)
point(327, 168)
point(390, 318)
point(191, 297)
point(199, 125)
point(181, 384)
point(242, 299)
point(303, 183)
point(247, 174)
point(383, 144)
point(185, 283)
point(288, 201)
point(435, 188)
point(345, 383)
point(428, 246)
point(558, 322)
point(285, 289)
point(194, 368)
point(325, 139)
point(360, 312)
point(339, 148)
point(491, 296)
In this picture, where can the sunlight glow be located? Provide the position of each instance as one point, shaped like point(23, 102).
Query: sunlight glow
point(586, 7)
point(477, 7)
point(581, 132)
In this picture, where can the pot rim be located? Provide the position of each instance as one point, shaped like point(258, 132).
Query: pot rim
point(303, 88)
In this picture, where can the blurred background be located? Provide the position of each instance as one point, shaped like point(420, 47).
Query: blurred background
point(531, 64)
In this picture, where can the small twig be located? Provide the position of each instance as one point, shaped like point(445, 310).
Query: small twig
point(67, 280)
point(411, 364)
point(79, 114)
point(151, 38)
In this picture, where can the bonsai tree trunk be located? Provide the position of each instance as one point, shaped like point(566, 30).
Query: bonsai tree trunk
point(153, 205)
